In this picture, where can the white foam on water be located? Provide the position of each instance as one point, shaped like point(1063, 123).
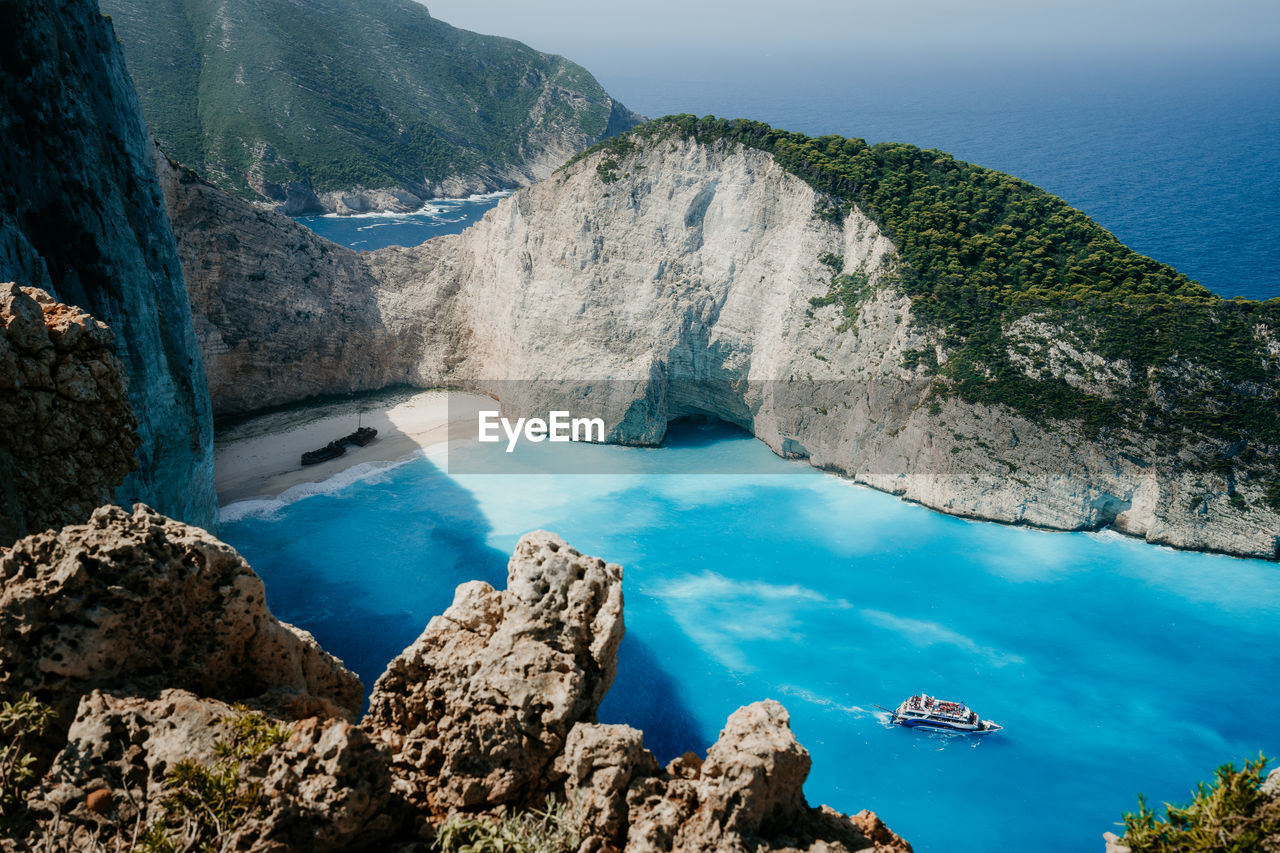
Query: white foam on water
point(485, 196)
point(431, 208)
point(269, 508)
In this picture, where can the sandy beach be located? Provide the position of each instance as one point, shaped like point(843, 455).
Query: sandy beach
point(260, 458)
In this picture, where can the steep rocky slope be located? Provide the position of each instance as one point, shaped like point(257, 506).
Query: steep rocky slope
point(275, 306)
point(349, 105)
point(81, 217)
point(492, 708)
point(66, 429)
point(708, 278)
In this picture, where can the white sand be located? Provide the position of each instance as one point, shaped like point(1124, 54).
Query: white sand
point(261, 458)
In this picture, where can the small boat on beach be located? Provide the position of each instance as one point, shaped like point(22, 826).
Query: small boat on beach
point(926, 712)
point(332, 450)
point(362, 436)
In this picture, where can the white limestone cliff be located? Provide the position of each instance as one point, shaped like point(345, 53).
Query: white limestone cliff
point(686, 280)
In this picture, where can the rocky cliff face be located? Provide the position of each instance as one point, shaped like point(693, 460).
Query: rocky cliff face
point(280, 313)
point(691, 275)
point(81, 216)
point(141, 601)
point(491, 709)
point(695, 273)
point(66, 429)
point(527, 663)
point(356, 105)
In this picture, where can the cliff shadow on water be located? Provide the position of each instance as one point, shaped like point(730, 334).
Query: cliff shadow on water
point(647, 697)
point(365, 559)
point(366, 566)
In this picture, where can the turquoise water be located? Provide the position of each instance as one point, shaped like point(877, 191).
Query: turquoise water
point(369, 231)
point(1116, 667)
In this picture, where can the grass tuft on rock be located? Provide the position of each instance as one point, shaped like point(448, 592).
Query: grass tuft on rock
point(206, 802)
point(21, 721)
point(552, 829)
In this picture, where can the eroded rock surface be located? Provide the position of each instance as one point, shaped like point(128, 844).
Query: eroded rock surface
point(67, 433)
point(140, 601)
point(326, 788)
point(599, 764)
point(141, 631)
point(478, 707)
point(746, 796)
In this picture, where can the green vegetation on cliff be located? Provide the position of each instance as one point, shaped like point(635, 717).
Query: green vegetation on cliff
point(345, 93)
point(1233, 815)
point(21, 722)
point(980, 250)
point(207, 802)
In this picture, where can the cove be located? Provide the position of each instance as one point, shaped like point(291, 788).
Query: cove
point(1116, 667)
point(369, 231)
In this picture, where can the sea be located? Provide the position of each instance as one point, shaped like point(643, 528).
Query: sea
point(369, 231)
point(1116, 667)
point(1176, 154)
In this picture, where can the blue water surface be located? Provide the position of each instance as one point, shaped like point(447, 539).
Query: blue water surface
point(369, 231)
point(1175, 152)
point(1116, 667)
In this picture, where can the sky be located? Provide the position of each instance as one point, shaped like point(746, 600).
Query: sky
point(620, 34)
point(734, 58)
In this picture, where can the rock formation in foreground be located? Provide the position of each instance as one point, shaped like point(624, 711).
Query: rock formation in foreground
point(706, 278)
point(325, 785)
point(526, 663)
point(143, 632)
point(66, 429)
point(141, 602)
point(82, 218)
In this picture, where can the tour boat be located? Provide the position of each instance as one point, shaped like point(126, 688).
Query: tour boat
point(926, 712)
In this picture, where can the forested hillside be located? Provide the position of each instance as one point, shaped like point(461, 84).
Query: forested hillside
point(340, 94)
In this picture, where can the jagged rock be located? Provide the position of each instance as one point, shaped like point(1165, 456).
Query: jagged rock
point(478, 707)
point(746, 796)
point(1271, 785)
point(82, 217)
point(145, 602)
point(1115, 844)
point(67, 433)
point(327, 788)
point(599, 763)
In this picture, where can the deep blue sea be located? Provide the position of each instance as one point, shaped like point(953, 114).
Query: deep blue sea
point(1177, 154)
point(1115, 667)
